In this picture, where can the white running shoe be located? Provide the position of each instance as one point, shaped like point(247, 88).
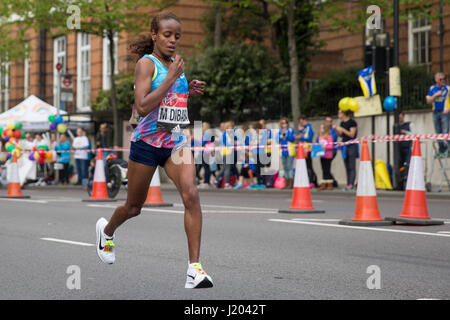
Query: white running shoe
point(105, 244)
point(197, 277)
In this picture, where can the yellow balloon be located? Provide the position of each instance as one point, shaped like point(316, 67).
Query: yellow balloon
point(343, 104)
point(61, 128)
point(10, 125)
point(353, 105)
point(17, 152)
point(36, 155)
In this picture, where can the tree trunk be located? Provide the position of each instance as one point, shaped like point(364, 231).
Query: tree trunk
point(293, 64)
point(218, 27)
point(110, 35)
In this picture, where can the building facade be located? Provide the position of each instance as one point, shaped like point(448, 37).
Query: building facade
point(86, 58)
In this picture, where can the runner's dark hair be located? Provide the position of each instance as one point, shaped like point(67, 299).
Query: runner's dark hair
point(144, 44)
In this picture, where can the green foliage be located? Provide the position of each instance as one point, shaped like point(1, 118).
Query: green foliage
point(242, 81)
point(324, 96)
point(125, 96)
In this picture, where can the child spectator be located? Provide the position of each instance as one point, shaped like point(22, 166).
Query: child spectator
point(326, 141)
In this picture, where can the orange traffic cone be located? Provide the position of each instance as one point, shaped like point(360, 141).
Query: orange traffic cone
point(14, 190)
point(99, 190)
point(301, 196)
point(154, 195)
point(415, 209)
point(366, 212)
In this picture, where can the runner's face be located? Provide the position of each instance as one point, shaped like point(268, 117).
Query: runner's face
point(167, 38)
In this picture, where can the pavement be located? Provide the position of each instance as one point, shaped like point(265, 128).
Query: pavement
point(250, 250)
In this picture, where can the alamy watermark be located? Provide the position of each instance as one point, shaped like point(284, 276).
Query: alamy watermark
point(74, 21)
point(374, 21)
point(74, 279)
point(374, 281)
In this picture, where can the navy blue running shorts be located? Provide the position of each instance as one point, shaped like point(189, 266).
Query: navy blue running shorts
point(142, 152)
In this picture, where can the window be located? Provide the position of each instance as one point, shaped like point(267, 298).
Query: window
point(4, 86)
point(419, 41)
point(26, 77)
point(107, 62)
point(83, 72)
point(59, 56)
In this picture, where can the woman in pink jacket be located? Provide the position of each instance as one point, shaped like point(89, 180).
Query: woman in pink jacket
point(326, 140)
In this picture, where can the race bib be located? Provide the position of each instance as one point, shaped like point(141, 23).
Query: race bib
point(173, 112)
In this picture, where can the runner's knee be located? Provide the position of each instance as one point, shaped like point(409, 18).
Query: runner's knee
point(190, 197)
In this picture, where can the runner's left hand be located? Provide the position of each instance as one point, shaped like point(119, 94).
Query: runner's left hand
point(196, 88)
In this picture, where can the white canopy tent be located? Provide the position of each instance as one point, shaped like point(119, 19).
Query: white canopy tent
point(33, 113)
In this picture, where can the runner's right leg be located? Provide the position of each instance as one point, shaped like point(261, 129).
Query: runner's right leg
point(139, 177)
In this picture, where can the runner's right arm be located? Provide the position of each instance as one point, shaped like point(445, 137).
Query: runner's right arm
point(145, 100)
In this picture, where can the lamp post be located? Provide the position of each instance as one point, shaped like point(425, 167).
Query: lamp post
point(396, 165)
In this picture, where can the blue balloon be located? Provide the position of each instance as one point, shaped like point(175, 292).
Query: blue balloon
point(59, 119)
point(390, 103)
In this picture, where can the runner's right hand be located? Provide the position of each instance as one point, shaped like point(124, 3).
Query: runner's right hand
point(176, 68)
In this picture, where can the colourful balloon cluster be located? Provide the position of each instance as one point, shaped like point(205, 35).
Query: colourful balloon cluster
point(348, 103)
point(11, 136)
point(57, 123)
point(41, 154)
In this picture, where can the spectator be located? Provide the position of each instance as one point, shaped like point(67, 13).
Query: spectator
point(326, 141)
point(247, 173)
point(81, 144)
point(348, 131)
point(438, 96)
point(305, 135)
point(405, 146)
point(29, 142)
point(63, 156)
point(286, 138)
point(228, 154)
point(257, 141)
point(329, 121)
point(206, 154)
point(267, 138)
point(104, 139)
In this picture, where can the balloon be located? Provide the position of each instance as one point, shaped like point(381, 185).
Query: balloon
point(36, 156)
point(5, 132)
point(49, 155)
point(59, 120)
point(353, 105)
point(18, 126)
point(51, 118)
point(10, 125)
point(17, 134)
point(6, 138)
point(41, 152)
point(24, 135)
point(11, 148)
point(8, 156)
point(390, 103)
point(62, 128)
point(10, 133)
point(343, 104)
point(53, 126)
point(280, 182)
point(17, 153)
point(42, 147)
point(31, 157)
point(12, 140)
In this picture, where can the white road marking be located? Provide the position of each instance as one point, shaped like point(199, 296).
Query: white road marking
point(156, 209)
point(24, 200)
point(445, 232)
point(318, 220)
point(360, 228)
point(230, 207)
point(68, 242)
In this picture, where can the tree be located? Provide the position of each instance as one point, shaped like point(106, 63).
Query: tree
point(103, 18)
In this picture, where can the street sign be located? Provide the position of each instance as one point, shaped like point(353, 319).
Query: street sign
point(66, 82)
point(66, 95)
